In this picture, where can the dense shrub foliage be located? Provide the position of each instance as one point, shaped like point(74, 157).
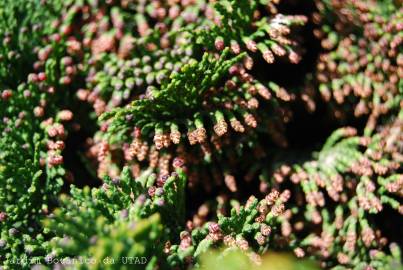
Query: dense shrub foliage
point(186, 134)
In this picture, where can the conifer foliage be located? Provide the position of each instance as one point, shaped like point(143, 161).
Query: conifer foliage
point(158, 134)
